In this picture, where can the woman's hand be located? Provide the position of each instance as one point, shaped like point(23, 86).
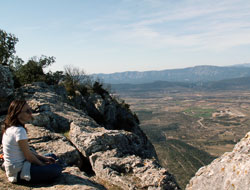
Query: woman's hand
point(30, 156)
point(49, 160)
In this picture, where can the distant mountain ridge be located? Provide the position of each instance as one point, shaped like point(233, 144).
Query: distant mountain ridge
point(242, 65)
point(191, 74)
point(241, 83)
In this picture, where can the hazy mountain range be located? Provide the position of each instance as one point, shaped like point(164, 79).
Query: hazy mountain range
point(242, 83)
point(191, 75)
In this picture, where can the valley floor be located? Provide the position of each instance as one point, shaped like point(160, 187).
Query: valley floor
point(191, 128)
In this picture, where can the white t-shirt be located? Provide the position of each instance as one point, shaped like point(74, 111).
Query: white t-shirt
point(11, 150)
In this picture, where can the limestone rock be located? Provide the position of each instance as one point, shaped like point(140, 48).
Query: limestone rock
point(6, 88)
point(131, 172)
point(51, 110)
point(230, 171)
point(98, 102)
point(110, 113)
point(89, 140)
point(45, 141)
point(114, 156)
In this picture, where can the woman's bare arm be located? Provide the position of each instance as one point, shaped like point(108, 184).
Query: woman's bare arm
point(46, 159)
point(24, 146)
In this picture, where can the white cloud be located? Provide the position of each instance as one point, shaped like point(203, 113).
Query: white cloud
point(199, 24)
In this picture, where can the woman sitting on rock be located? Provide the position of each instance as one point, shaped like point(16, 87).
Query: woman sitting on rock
point(20, 162)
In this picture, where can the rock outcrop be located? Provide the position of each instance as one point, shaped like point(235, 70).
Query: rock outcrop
point(6, 88)
point(45, 141)
point(231, 171)
point(110, 153)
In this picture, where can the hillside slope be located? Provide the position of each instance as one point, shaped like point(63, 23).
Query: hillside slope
point(182, 159)
point(191, 74)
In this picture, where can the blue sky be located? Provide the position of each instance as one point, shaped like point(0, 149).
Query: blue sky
point(107, 36)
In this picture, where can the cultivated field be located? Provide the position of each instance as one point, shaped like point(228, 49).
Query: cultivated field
point(189, 128)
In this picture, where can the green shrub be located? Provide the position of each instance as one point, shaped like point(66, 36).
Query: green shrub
point(54, 78)
point(98, 88)
point(7, 46)
point(32, 71)
point(74, 80)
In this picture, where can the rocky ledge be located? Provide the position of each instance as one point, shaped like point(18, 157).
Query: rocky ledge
point(231, 171)
point(113, 154)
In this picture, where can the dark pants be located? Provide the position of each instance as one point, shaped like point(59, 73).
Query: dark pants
point(44, 174)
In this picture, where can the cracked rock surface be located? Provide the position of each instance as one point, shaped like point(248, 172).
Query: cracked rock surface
point(97, 154)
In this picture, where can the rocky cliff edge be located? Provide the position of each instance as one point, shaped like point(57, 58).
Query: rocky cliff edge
point(95, 155)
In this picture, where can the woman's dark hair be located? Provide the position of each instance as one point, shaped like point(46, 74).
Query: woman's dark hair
point(14, 110)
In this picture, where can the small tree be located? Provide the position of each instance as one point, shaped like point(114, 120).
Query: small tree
point(98, 88)
point(7, 46)
point(44, 61)
point(54, 78)
point(15, 63)
point(76, 80)
point(32, 71)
